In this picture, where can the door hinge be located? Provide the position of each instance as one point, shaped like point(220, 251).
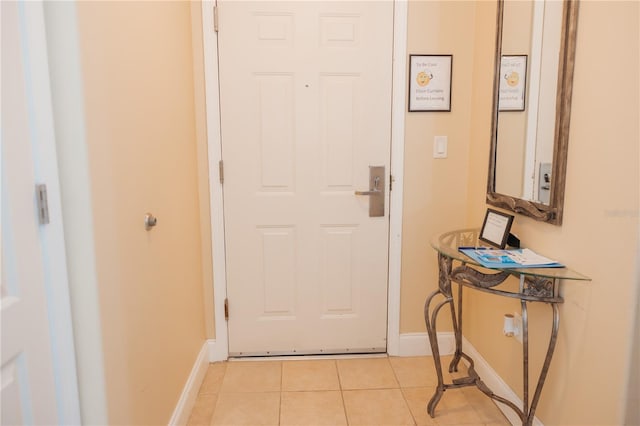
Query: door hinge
point(215, 18)
point(226, 309)
point(42, 203)
point(391, 179)
point(221, 171)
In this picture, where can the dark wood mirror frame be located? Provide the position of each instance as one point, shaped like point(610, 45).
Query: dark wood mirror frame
point(551, 213)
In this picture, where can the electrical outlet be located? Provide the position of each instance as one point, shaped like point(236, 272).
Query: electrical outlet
point(517, 325)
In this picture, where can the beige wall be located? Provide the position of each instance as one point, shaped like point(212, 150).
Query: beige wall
point(599, 236)
point(140, 130)
point(434, 189)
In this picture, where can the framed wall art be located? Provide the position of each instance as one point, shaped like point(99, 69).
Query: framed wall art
point(430, 82)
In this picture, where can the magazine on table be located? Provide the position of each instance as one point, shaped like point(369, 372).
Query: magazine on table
point(514, 258)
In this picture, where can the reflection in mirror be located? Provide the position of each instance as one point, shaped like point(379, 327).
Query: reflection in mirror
point(534, 68)
point(525, 137)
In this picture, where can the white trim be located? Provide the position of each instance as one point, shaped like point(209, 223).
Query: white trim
point(68, 109)
point(216, 200)
point(533, 101)
point(417, 344)
point(190, 391)
point(217, 352)
point(492, 379)
point(210, 43)
point(397, 171)
point(52, 238)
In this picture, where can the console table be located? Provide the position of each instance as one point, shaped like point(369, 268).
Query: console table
point(537, 285)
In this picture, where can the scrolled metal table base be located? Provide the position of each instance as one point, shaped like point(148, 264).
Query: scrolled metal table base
point(531, 290)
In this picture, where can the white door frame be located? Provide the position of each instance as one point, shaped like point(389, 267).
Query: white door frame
point(220, 349)
point(52, 239)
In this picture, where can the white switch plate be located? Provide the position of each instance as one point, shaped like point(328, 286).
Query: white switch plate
point(439, 147)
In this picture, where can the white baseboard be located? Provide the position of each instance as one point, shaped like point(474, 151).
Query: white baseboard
point(496, 384)
point(190, 391)
point(417, 344)
point(217, 352)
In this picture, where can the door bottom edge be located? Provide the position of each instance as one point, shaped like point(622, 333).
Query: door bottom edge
point(320, 353)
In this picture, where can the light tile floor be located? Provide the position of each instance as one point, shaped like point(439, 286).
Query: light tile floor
point(332, 392)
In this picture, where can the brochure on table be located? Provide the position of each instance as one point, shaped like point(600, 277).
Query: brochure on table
point(516, 258)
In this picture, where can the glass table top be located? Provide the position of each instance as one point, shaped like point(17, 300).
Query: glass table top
point(449, 242)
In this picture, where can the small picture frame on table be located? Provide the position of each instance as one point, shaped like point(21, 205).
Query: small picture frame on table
point(430, 82)
point(495, 228)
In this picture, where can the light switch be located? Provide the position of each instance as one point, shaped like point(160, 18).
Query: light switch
point(439, 147)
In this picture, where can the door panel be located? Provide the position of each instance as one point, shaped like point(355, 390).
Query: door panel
point(305, 110)
point(28, 387)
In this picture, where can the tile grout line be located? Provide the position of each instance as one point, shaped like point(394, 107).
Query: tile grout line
point(404, 398)
point(280, 394)
point(215, 406)
point(344, 405)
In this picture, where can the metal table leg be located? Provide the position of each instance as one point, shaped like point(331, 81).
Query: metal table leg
point(464, 276)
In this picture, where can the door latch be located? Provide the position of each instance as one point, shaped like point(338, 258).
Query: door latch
point(376, 191)
point(42, 202)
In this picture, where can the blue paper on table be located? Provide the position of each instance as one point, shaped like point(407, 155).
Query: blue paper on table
point(516, 258)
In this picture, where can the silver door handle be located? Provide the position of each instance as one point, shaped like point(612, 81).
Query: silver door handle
point(376, 190)
point(373, 191)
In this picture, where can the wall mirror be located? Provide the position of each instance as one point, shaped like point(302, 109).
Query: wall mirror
point(535, 51)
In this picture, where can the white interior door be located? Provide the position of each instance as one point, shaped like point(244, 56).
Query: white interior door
point(305, 91)
point(38, 365)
